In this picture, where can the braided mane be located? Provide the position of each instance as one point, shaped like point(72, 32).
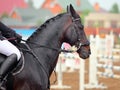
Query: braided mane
point(44, 25)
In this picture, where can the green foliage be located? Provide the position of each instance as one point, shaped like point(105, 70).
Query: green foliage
point(84, 14)
point(115, 8)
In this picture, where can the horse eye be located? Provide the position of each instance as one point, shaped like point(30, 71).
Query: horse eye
point(81, 26)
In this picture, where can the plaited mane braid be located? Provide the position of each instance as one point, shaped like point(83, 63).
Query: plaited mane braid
point(43, 26)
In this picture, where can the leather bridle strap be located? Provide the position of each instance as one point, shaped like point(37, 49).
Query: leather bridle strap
point(56, 49)
point(79, 40)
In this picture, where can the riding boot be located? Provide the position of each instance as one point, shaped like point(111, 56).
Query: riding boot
point(7, 66)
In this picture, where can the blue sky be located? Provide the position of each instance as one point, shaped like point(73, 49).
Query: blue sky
point(106, 4)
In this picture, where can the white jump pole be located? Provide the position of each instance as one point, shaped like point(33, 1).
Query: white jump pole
point(81, 74)
point(93, 79)
point(93, 62)
point(60, 76)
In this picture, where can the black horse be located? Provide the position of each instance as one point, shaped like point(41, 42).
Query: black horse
point(43, 48)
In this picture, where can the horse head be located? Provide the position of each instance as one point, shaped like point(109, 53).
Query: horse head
point(75, 35)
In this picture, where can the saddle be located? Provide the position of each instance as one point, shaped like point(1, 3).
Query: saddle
point(20, 66)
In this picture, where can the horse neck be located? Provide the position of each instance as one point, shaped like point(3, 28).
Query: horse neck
point(50, 38)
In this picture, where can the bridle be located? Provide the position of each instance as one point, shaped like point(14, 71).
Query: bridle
point(79, 43)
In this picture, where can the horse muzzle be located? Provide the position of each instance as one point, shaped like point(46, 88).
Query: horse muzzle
point(84, 52)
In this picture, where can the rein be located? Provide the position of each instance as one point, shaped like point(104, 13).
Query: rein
point(36, 57)
point(62, 50)
point(56, 49)
point(37, 46)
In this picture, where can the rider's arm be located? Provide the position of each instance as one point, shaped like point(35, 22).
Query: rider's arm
point(8, 32)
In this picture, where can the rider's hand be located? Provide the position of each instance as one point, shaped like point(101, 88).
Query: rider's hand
point(18, 38)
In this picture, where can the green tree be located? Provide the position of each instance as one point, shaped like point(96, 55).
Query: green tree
point(84, 14)
point(115, 8)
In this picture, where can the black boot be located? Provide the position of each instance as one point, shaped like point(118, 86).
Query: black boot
point(7, 66)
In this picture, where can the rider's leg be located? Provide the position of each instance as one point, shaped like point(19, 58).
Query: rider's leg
point(7, 48)
point(8, 65)
point(13, 56)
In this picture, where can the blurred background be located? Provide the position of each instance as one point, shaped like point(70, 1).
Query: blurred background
point(101, 20)
point(102, 15)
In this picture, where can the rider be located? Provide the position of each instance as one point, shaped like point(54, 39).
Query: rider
point(8, 49)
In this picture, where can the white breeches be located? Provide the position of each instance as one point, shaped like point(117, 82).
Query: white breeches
point(7, 48)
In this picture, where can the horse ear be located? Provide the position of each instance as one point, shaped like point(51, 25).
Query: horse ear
point(72, 11)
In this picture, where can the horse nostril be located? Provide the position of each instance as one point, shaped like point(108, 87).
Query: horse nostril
point(89, 51)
